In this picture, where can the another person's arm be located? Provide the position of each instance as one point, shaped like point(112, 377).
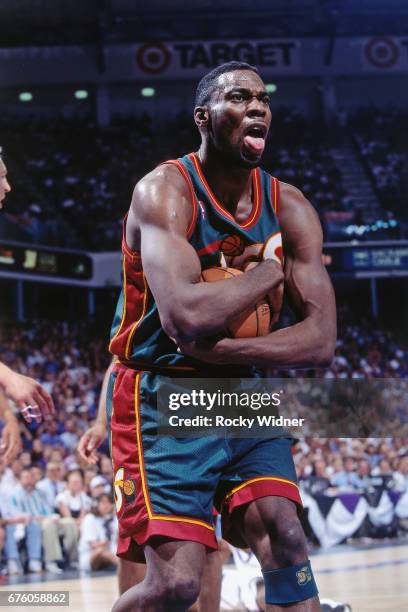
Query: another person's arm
point(26, 392)
point(10, 442)
point(95, 435)
point(311, 341)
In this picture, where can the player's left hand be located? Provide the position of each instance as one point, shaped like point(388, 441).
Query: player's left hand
point(10, 443)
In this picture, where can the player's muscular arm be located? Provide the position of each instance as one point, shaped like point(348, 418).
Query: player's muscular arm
point(160, 214)
point(311, 341)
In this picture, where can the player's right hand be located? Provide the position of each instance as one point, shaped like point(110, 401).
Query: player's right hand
point(91, 441)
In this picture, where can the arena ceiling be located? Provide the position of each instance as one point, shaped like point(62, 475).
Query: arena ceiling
point(50, 22)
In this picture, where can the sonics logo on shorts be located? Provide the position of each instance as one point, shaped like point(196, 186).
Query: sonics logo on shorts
point(304, 575)
point(124, 488)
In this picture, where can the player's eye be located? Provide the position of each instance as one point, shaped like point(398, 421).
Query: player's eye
point(266, 99)
point(237, 96)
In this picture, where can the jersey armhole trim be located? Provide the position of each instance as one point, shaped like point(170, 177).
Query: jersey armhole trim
point(133, 256)
point(275, 195)
point(194, 205)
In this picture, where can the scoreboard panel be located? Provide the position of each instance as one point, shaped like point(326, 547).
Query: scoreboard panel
point(369, 258)
point(43, 261)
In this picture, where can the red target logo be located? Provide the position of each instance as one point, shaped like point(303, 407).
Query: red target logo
point(382, 52)
point(153, 58)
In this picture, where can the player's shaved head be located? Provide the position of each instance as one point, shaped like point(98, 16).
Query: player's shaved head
point(209, 82)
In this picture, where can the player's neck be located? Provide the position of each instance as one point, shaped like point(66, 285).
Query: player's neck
point(228, 182)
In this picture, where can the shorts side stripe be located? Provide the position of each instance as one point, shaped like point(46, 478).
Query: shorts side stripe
point(140, 447)
point(181, 519)
point(260, 478)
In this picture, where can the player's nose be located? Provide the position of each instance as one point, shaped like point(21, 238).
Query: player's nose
point(256, 108)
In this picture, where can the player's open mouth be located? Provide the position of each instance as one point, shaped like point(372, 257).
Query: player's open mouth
point(254, 139)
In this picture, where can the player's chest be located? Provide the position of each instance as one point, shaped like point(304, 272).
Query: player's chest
point(227, 243)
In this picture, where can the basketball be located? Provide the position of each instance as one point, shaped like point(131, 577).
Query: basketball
point(253, 322)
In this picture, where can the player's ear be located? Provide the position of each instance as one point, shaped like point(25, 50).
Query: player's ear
point(201, 116)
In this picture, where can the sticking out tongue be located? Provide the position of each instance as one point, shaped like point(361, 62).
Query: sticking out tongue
point(255, 144)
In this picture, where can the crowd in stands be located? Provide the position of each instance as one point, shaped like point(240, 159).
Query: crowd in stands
point(300, 152)
point(54, 503)
point(353, 464)
point(46, 499)
point(73, 180)
point(363, 350)
point(64, 516)
point(379, 135)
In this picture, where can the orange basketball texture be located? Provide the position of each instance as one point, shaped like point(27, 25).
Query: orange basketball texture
point(253, 322)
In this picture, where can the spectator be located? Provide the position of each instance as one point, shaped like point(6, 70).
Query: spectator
point(37, 452)
point(18, 525)
point(73, 502)
point(38, 473)
point(106, 468)
point(363, 475)
point(98, 485)
point(319, 468)
point(10, 477)
point(401, 475)
point(90, 472)
point(30, 501)
point(346, 479)
point(383, 468)
point(53, 482)
point(98, 536)
point(69, 437)
point(50, 435)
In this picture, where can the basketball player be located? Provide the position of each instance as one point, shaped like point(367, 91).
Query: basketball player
point(181, 215)
point(130, 573)
point(29, 396)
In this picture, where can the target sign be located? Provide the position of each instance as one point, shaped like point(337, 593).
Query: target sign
point(153, 58)
point(382, 52)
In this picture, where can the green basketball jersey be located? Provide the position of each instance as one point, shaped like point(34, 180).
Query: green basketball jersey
point(137, 337)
